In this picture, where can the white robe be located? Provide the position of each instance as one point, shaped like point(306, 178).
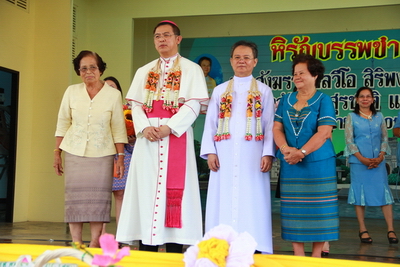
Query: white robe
point(239, 193)
point(144, 205)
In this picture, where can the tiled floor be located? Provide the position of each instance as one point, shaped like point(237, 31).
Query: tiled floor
point(348, 247)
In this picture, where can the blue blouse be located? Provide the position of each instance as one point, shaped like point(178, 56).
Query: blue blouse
point(300, 126)
point(369, 137)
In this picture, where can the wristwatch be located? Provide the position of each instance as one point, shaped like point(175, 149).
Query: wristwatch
point(303, 151)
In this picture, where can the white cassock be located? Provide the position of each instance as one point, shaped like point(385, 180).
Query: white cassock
point(143, 208)
point(239, 193)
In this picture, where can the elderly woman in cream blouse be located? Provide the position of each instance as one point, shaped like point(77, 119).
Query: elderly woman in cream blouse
point(90, 130)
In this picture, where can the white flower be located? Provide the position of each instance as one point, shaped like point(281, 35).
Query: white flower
point(239, 252)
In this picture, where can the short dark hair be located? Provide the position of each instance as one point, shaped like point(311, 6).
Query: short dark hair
point(252, 45)
point(112, 78)
point(314, 66)
point(205, 58)
point(175, 28)
point(357, 107)
point(84, 53)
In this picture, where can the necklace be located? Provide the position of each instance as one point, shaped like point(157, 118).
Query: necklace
point(368, 116)
point(298, 111)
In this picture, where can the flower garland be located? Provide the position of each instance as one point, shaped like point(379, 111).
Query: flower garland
point(173, 85)
point(151, 87)
point(253, 103)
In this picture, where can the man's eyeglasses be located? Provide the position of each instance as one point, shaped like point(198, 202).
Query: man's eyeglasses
point(165, 35)
point(85, 69)
point(245, 58)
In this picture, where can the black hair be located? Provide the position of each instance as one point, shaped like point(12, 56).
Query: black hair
point(357, 107)
point(84, 53)
point(252, 45)
point(205, 58)
point(112, 78)
point(314, 66)
point(175, 28)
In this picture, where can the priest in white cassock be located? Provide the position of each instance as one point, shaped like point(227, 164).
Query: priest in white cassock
point(162, 200)
point(238, 145)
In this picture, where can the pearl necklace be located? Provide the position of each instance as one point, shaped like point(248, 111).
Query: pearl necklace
point(368, 116)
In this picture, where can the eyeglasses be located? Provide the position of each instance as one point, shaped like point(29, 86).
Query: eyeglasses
point(165, 35)
point(245, 58)
point(85, 69)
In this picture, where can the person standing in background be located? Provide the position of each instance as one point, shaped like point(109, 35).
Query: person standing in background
point(118, 187)
point(205, 64)
point(91, 130)
point(238, 145)
point(366, 147)
point(162, 199)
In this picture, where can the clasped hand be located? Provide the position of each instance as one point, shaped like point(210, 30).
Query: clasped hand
point(153, 134)
point(372, 163)
point(292, 155)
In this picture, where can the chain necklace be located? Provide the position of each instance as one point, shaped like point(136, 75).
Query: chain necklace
point(298, 111)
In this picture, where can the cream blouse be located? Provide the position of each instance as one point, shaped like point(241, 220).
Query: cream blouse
point(91, 127)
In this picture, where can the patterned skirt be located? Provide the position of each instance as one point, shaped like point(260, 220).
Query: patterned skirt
point(88, 183)
point(309, 208)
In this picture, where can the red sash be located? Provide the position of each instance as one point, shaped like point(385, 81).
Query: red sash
point(176, 170)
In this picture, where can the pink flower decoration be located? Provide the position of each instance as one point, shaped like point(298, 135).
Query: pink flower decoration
point(260, 137)
point(217, 137)
point(111, 254)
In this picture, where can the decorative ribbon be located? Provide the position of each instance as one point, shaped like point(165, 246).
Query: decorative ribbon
point(176, 171)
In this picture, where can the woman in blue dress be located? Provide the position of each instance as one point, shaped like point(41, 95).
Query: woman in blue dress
point(302, 130)
point(366, 146)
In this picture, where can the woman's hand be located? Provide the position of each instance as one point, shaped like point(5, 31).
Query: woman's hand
point(292, 155)
point(57, 165)
point(213, 162)
point(376, 161)
point(120, 167)
point(367, 162)
point(131, 139)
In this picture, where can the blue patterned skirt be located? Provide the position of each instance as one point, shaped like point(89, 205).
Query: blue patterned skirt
point(309, 208)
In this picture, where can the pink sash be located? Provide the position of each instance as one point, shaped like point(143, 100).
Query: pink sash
point(176, 170)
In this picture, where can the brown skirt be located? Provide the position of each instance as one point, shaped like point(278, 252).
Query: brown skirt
point(88, 184)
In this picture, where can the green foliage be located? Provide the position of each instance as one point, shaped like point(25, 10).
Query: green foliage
point(393, 178)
